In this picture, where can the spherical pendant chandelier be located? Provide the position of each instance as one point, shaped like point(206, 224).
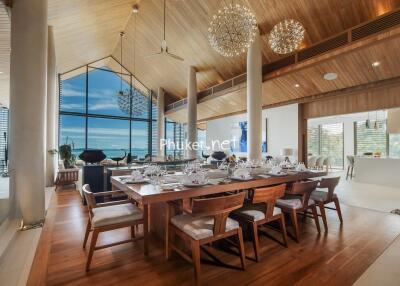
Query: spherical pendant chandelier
point(232, 30)
point(286, 36)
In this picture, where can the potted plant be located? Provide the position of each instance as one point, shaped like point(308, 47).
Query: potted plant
point(66, 155)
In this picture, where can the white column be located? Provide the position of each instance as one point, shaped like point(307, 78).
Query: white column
point(254, 100)
point(160, 122)
point(192, 111)
point(28, 85)
point(51, 108)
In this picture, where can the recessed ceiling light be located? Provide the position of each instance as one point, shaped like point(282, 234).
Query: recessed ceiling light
point(330, 76)
point(297, 85)
point(376, 64)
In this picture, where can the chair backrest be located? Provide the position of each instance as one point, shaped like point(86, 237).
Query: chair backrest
point(90, 199)
point(350, 160)
point(219, 208)
point(311, 161)
point(304, 188)
point(268, 196)
point(330, 184)
point(320, 161)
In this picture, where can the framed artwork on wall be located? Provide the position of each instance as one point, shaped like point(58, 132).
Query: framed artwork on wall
point(239, 137)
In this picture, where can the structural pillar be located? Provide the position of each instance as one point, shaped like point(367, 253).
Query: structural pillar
point(192, 112)
point(254, 100)
point(160, 122)
point(28, 90)
point(51, 109)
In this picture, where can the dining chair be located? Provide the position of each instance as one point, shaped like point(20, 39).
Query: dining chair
point(322, 198)
point(297, 201)
point(312, 160)
point(109, 216)
point(262, 211)
point(320, 162)
point(328, 161)
point(350, 166)
point(206, 221)
point(66, 177)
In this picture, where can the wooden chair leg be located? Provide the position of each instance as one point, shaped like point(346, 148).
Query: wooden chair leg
point(133, 231)
point(241, 247)
point(339, 212)
point(146, 229)
point(352, 169)
point(196, 261)
point(348, 172)
point(88, 227)
point(283, 230)
point(293, 217)
point(316, 219)
point(170, 240)
point(323, 214)
point(255, 241)
point(92, 246)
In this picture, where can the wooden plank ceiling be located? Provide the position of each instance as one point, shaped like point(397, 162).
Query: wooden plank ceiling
point(89, 30)
point(352, 63)
point(186, 34)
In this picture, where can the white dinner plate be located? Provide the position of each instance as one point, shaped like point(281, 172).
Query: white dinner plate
point(277, 175)
point(194, 185)
point(242, 179)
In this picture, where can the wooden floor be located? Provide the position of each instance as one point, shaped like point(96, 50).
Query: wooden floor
point(338, 257)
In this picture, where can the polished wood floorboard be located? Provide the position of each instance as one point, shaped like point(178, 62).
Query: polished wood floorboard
point(337, 257)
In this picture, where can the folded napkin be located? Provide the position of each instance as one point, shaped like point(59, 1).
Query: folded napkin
point(136, 176)
point(276, 170)
point(241, 173)
point(301, 168)
point(195, 179)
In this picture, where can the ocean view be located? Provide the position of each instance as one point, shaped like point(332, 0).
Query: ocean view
point(110, 153)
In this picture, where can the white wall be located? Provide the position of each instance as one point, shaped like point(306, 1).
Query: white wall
point(282, 128)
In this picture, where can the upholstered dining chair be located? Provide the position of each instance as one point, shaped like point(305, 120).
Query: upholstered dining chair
point(350, 167)
point(207, 221)
point(312, 161)
point(110, 216)
point(322, 198)
point(319, 164)
point(297, 201)
point(261, 211)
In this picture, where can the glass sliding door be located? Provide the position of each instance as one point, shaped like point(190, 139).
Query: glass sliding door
point(327, 140)
point(332, 143)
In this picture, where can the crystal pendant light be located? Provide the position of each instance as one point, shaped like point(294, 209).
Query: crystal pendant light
point(232, 30)
point(286, 36)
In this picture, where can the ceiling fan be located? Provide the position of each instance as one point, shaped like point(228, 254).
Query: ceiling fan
point(164, 46)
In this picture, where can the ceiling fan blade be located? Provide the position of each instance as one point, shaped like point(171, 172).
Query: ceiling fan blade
point(153, 55)
point(175, 56)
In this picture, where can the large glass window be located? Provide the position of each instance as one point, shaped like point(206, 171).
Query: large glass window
point(73, 97)
point(104, 86)
point(327, 140)
point(140, 139)
point(332, 143)
point(313, 140)
point(106, 122)
point(109, 135)
point(370, 140)
point(394, 145)
point(72, 131)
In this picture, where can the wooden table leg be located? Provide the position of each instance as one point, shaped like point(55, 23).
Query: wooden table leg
point(146, 228)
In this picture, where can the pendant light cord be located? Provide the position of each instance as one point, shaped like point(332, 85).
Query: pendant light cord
point(165, 7)
point(121, 35)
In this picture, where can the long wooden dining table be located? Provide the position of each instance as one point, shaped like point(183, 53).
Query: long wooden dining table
point(154, 200)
